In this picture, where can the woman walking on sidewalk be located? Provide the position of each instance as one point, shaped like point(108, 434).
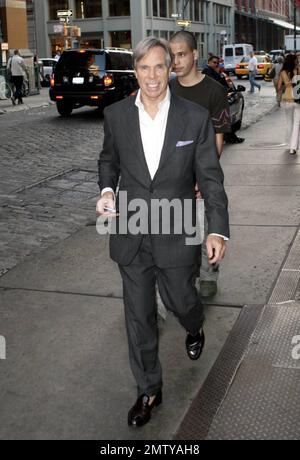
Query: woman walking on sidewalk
point(292, 109)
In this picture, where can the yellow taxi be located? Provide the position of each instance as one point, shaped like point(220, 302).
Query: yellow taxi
point(264, 65)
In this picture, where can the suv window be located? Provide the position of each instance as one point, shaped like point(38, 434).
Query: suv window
point(127, 60)
point(75, 60)
point(228, 52)
point(115, 61)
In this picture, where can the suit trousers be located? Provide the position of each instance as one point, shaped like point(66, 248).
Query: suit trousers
point(179, 294)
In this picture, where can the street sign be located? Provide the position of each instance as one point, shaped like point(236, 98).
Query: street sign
point(176, 15)
point(64, 13)
point(184, 23)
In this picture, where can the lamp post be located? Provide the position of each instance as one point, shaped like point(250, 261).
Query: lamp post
point(295, 24)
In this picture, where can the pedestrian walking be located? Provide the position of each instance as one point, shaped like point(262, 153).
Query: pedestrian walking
point(155, 144)
point(276, 70)
point(194, 85)
point(252, 73)
point(18, 70)
point(292, 109)
point(214, 70)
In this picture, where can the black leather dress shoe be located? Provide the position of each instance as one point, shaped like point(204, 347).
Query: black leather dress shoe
point(194, 345)
point(140, 413)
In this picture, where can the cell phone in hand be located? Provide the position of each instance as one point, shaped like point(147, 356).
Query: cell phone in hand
point(108, 209)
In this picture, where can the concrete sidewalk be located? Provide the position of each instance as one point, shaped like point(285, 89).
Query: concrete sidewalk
point(30, 102)
point(66, 373)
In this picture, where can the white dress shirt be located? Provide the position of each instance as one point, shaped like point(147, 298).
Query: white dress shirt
point(252, 66)
point(153, 131)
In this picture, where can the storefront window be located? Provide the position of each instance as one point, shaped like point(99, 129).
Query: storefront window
point(119, 8)
point(121, 39)
point(55, 5)
point(88, 9)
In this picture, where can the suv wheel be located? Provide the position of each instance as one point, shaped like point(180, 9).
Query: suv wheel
point(64, 109)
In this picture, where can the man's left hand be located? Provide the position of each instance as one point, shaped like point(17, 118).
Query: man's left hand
point(216, 248)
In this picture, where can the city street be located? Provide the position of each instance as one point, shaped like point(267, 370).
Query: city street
point(48, 171)
point(65, 373)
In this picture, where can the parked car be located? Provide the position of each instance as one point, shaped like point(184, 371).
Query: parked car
point(275, 53)
point(236, 104)
point(92, 77)
point(263, 66)
point(47, 68)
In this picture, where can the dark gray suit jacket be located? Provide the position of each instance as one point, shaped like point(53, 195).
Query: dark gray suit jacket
point(180, 165)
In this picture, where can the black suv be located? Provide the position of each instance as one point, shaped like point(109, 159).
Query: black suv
point(94, 77)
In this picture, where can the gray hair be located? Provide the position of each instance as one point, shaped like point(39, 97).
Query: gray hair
point(147, 44)
point(185, 36)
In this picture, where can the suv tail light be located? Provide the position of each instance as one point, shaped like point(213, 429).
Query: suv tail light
point(260, 66)
point(108, 80)
point(52, 81)
point(237, 66)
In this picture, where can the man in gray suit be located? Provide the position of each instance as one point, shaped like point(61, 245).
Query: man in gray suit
point(156, 145)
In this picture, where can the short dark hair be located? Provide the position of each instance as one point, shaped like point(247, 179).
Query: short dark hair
point(211, 58)
point(187, 37)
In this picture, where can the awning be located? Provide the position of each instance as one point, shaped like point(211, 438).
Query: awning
point(284, 24)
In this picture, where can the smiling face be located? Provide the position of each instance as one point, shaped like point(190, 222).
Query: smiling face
point(153, 74)
point(183, 58)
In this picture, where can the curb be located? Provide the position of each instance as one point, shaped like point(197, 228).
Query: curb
point(24, 107)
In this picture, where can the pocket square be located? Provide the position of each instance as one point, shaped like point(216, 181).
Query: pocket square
point(183, 143)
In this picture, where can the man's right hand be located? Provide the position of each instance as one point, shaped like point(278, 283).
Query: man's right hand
point(107, 200)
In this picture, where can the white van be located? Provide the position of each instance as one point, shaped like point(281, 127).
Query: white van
point(233, 54)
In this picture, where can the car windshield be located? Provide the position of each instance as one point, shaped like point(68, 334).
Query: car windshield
point(79, 60)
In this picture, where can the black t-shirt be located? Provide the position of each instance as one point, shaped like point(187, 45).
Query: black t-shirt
point(209, 94)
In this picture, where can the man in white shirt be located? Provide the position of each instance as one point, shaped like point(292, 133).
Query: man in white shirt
point(18, 70)
point(155, 146)
point(252, 73)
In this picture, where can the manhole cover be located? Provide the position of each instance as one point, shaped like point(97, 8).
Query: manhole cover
point(267, 146)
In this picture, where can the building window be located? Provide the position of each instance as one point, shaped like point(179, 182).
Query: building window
point(155, 8)
point(55, 5)
point(221, 15)
point(121, 39)
point(88, 9)
point(171, 8)
point(198, 11)
point(119, 8)
point(164, 34)
point(163, 8)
